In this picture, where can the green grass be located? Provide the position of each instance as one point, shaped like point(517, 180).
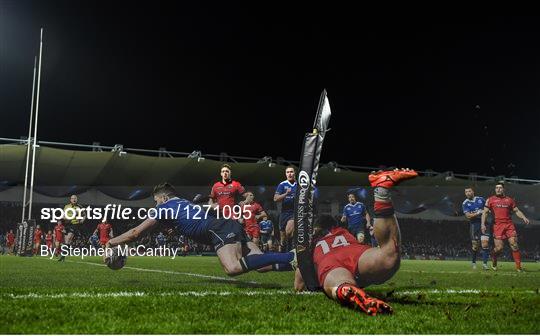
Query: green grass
point(42, 296)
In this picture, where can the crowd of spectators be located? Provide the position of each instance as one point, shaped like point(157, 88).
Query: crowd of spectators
point(421, 239)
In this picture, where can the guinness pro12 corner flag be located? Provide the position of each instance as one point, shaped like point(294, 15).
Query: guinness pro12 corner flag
point(307, 180)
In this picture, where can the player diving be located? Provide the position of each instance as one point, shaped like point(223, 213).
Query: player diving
point(344, 266)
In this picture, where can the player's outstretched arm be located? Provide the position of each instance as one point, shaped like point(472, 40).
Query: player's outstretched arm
point(521, 215)
point(132, 234)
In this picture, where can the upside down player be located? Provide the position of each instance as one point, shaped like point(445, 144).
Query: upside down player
point(235, 251)
point(344, 266)
point(502, 207)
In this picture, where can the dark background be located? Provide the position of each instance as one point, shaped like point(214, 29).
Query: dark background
point(455, 92)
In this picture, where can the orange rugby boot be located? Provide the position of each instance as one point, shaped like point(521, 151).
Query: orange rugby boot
point(389, 178)
point(356, 298)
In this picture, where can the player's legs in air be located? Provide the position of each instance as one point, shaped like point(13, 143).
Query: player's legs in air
point(378, 265)
point(374, 265)
point(372, 236)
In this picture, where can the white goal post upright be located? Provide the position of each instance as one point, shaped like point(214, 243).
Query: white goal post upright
point(28, 140)
point(34, 146)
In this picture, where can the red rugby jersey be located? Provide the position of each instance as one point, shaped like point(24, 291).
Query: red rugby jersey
point(224, 195)
point(104, 231)
point(249, 211)
point(37, 235)
point(59, 231)
point(332, 243)
point(502, 208)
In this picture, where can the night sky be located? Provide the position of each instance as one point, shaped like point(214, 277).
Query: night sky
point(456, 93)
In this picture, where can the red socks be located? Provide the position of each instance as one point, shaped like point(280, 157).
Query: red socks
point(383, 209)
point(494, 259)
point(517, 258)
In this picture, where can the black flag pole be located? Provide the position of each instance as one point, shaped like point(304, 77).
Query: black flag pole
point(307, 181)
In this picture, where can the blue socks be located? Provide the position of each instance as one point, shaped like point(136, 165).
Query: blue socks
point(256, 261)
point(485, 255)
point(282, 267)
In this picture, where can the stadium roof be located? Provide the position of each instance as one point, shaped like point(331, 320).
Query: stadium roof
point(129, 176)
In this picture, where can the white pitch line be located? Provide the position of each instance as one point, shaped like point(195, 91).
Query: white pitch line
point(146, 294)
point(170, 272)
point(461, 291)
point(239, 293)
point(516, 274)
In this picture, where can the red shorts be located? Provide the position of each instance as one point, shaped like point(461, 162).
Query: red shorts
point(504, 231)
point(49, 244)
point(10, 244)
point(345, 257)
point(253, 231)
point(36, 242)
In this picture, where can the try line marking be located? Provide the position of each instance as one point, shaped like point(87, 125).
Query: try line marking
point(229, 293)
point(479, 272)
point(196, 275)
point(147, 294)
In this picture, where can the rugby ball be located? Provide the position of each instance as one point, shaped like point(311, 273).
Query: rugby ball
point(115, 261)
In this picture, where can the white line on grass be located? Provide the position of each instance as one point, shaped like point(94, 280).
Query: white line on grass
point(239, 293)
point(170, 272)
point(461, 291)
point(515, 274)
point(146, 294)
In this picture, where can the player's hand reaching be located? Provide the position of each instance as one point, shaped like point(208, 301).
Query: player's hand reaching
point(526, 220)
point(483, 227)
